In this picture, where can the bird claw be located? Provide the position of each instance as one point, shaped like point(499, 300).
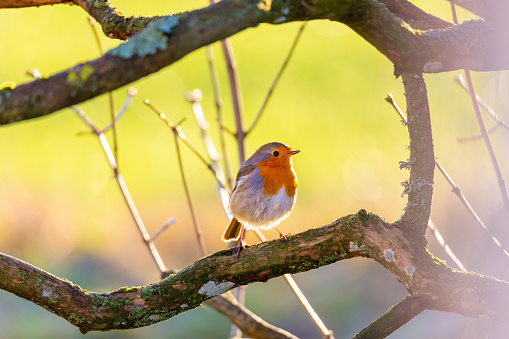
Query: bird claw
point(284, 236)
point(239, 248)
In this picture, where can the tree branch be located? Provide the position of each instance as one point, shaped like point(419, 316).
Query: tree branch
point(250, 324)
point(422, 159)
point(393, 319)
point(362, 234)
point(31, 3)
point(496, 11)
point(474, 45)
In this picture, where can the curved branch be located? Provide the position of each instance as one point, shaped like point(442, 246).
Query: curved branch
point(474, 45)
point(361, 234)
point(422, 159)
point(114, 24)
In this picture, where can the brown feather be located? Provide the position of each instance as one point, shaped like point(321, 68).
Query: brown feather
point(232, 232)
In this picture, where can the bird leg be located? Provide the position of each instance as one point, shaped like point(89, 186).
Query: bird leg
point(283, 236)
point(240, 245)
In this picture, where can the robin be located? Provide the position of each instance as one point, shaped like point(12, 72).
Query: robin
point(265, 192)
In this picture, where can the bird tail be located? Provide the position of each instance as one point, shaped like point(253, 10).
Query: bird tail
point(232, 232)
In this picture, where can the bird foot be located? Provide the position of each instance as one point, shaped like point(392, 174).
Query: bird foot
point(284, 236)
point(239, 248)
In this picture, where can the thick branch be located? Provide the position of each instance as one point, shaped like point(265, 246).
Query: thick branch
point(474, 45)
point(422, 159)
point(113, 23)
point(496, 11)
point(362, 234)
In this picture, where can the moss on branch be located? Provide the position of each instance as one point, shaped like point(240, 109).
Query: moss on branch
point(362, 234)
point(411, 50)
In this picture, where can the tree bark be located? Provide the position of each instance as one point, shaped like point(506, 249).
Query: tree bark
point(362, 234)
point(475, 45)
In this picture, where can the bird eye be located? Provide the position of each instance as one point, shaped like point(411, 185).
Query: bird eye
point(275, 153)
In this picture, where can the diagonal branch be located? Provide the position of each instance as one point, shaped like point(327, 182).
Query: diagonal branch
point(393, 319)
point(474, 45)
point(251, 325)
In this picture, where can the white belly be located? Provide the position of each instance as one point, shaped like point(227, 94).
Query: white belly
point(257, 210)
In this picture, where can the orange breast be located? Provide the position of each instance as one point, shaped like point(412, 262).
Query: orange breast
point(275, 176)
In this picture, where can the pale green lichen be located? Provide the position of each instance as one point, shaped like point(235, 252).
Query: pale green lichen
point(149, 41)
point(211, 289)
point(78, 79)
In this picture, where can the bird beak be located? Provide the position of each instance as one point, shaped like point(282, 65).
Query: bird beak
point(292, 153)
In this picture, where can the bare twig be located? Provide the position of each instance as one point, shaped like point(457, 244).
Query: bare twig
point(477, 137)
point(110, 94)
point(326, 333)
point(125, 192)
point(489, 146)
point(278, 77)
point(219, 116)
point(461, 81)
point(189, 144)
point(127, 102)
point(194, 98)
point(176, 134)
point(163, 227)
point(231, 64)
point(446, 247)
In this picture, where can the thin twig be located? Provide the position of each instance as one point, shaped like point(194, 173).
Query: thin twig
point(278, 77)
point(188, 143)
point(390, 99)
point(161, 229)
point(110, 94)
point(231, 64)
point(127, 102)
point(446, 247)
point(476, 137)
point(177, 131)
point(219, 116)
point(482, 127)
point(461, 81)
point(486, 137)
point(197, 228)
point(194, 98)
point(125, 192)
point(326, 333)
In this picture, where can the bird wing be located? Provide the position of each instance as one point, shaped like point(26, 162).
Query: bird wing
point(243, 171)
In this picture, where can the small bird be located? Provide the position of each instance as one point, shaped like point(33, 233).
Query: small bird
point(265, 192)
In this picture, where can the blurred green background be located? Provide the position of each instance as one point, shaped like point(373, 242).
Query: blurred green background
point(61, 210)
